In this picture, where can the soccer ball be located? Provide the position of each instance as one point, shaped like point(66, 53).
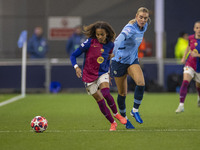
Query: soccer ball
point(39, 124)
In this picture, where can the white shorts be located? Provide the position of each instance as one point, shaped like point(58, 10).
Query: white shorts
point(92, 87)
point(194, 74)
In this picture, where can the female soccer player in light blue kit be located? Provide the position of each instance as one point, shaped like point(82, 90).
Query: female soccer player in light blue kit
point(125, 62)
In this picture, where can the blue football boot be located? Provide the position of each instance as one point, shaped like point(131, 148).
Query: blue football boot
point(129, 125)
point(136, 115)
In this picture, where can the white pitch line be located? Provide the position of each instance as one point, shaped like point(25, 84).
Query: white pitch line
point(11, 100)
point(78, 131)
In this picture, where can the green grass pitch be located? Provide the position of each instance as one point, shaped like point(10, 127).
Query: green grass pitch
point(75, 123)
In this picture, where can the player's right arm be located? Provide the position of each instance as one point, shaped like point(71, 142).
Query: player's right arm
point(83, 48)
point(73, 57)
point(126, 33)
point(119, 39)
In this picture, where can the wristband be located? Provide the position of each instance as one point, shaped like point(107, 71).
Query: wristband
point(75, 66)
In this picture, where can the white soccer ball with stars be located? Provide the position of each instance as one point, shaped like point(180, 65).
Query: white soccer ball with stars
point(39, 124)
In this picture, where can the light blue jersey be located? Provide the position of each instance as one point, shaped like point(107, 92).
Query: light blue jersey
point(127, 43)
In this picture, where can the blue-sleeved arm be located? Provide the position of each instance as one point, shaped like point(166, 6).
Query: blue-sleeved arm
point(121, 37)
point(83, 48)
point(75, 54)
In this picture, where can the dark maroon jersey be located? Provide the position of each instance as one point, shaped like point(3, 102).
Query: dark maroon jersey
point(96, 60)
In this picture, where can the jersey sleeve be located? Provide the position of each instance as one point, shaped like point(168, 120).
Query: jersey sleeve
point(121, 37)
point(74, 55)
point(83, 48)
point(128, 31)
point(85, 45)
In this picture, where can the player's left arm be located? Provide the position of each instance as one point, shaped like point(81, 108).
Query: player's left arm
point(194, 53)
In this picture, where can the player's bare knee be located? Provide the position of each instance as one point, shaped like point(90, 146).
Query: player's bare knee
point(140, 83)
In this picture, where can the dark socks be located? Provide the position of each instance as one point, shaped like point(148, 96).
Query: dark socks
point(138, 96)
point(110, 100)
point(183, 90)
point(121, 105)
point(104, 109)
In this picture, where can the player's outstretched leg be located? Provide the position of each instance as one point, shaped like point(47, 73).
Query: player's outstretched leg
point(183, 93)
point(122, 110)
point(106, 112)
point(138, 96)
point(110, 100)
point(121, 105)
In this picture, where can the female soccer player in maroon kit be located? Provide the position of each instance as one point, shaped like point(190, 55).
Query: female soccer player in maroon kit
point(98, 50)
point(192, 66)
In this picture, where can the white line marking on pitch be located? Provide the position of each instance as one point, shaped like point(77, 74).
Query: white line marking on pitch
point(11, 100)
point(134, 130)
